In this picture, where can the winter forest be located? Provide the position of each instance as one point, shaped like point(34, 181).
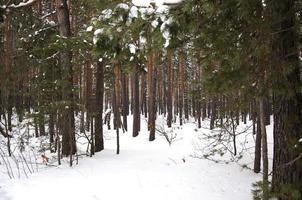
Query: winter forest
point(151, 99)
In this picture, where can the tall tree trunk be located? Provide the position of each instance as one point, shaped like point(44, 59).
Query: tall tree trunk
point(136, 113)
point(287, 172)
point(199, 96)
point(125, 101)
point(213, 113)
point(151, 96)
point(264, 151)
point(88, 93)
point(170, 89)
point(41, 120)
point(92, 137)
point(51, 130)
point(181, 86)
point(99, 140)
point(257, 160)
point(117, 86)
point(8, 65)
point(68, 129)
point(143, 94)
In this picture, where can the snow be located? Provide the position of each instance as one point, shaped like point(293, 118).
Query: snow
point(51, 23)
point(22, 4)
point(143, 40)
point(95, 35)
point(143, 170)
point(98, 31)
point(171, 1)
point(162, 9)
point(141, 2)
point(106, 14)
point(89, 28)
point(123, 6)
point(154, 23)
point(133, 12)
point(147, 3)
point(132, 48)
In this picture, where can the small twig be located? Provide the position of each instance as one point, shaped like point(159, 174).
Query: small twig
point(22, 156)
point(5, 163)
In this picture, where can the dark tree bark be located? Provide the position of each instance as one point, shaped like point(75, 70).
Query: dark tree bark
point(181, 86)
point(151, 96)
point(257, 160)
point(213, 113)
point(88, 93)
point(170, 89)
point(68, 129)
point(117, 86)
point(198, 96)
point(41, 120)
point(136, 113)
point(287, 173)
point(124, 101)
point(8, 65)
point(92, 138)
point(143, 97)
point(264, 151)
point(99, 140)
point(204, 107)
point(51, 130)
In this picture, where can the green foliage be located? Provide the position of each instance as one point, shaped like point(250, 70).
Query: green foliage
point(226, 42)
point(119, 37)
point(287, 192)
point(257, 190)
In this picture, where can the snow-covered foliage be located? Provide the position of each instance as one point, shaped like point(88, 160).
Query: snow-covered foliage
point(126, 31)
point(21, 4)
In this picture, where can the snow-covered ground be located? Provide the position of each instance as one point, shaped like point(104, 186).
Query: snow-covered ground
point(143, 170)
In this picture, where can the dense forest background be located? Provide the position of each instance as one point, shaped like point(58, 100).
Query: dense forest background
point(68, 68)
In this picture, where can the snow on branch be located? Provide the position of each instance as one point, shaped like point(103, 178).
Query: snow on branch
point(157, 3)
point(22, 4)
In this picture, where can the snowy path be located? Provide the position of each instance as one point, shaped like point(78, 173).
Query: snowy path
point(143, 170)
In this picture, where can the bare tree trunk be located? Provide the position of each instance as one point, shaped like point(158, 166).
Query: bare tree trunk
point(41, 122)
point(99, 140)
point(264, 151)
point(287, 99)
point(257, 160)
point(92, 138)
point(143, 101)
point(124, 101)
point(170, 89)
point(8, 64)
point(181, 87)
point(68, 129)
point(213, 113)
point(199, 97)
point(51, 130)
point(136, 113)
point(88, 93)
point(151, 96)
point(142, 94)
point(117, 86)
